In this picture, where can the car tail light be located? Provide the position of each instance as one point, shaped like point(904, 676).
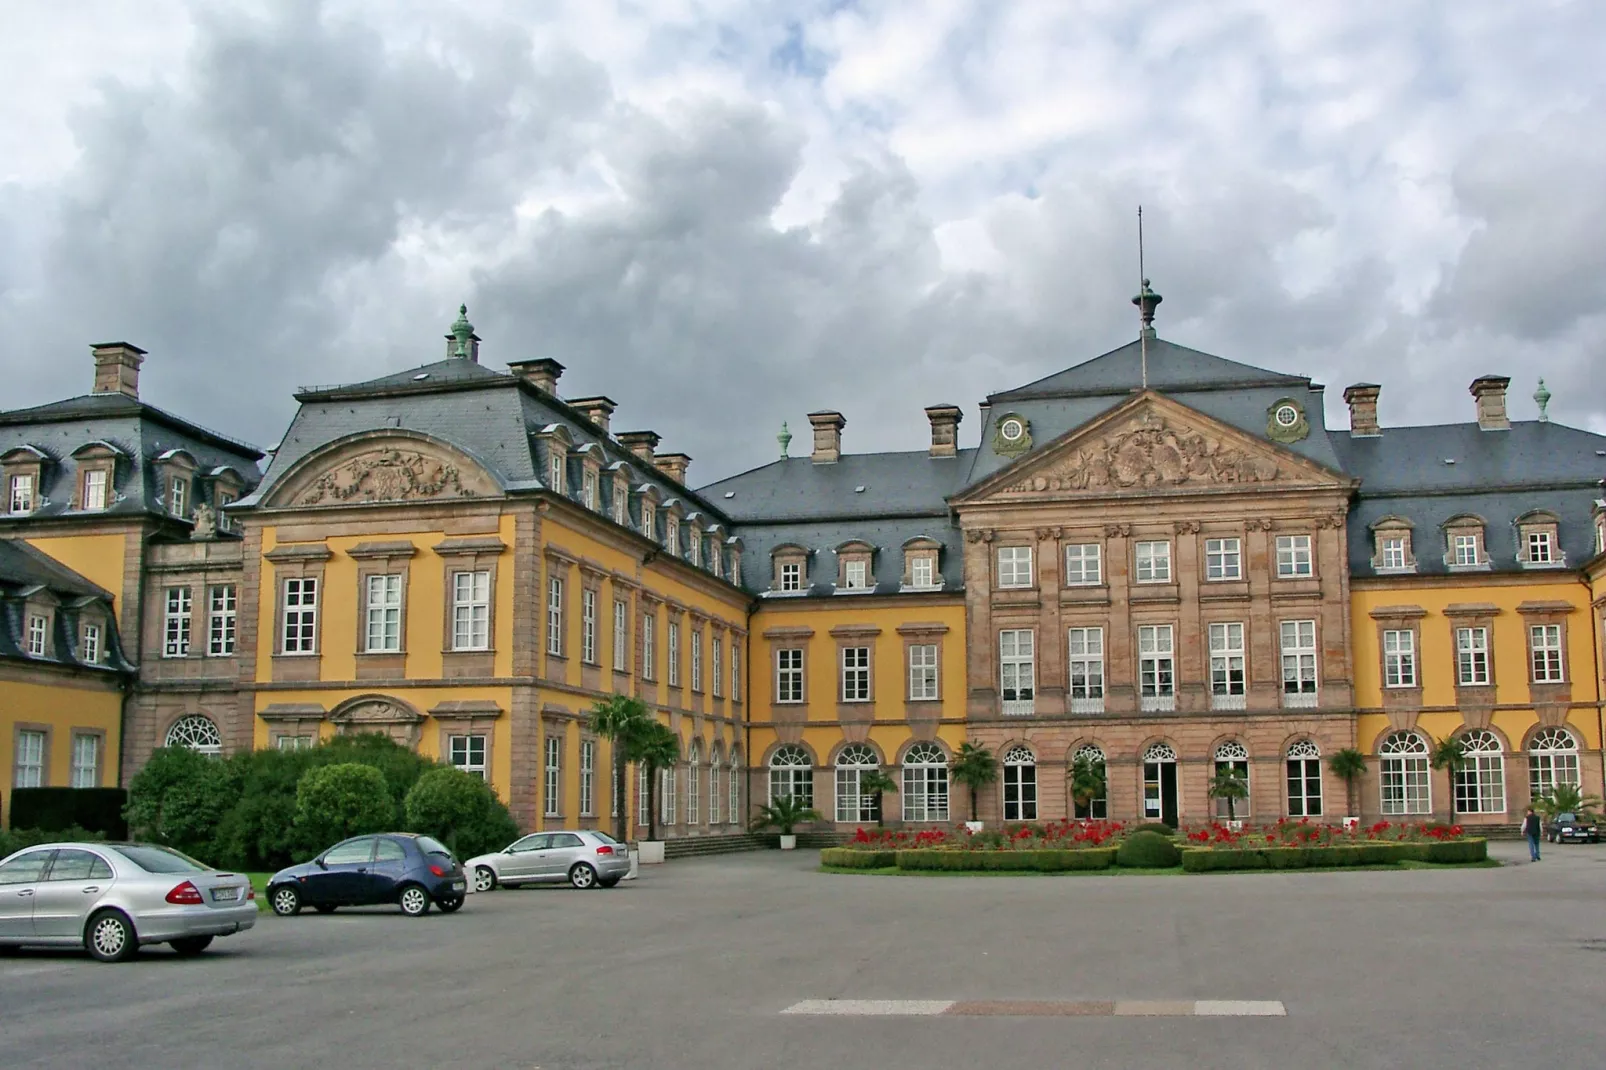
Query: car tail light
point(185, 895)
point(250, 893)
point(437, 869)
point(604, 850)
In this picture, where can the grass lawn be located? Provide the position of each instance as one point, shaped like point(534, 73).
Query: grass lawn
point(259, 881)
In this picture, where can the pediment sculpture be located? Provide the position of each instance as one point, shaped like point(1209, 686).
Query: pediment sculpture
point(387, 475)
point(1151, 454)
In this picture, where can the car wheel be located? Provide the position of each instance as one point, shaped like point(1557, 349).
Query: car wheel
point(192, 945)
point(110, 937)
point(583, 876)
point(451, 904)
point(609, 882)
point(414, 900)
point(286, 902)
point(325, 908)
point(484, 879)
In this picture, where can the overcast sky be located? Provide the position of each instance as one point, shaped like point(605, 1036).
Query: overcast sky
point(726, 213)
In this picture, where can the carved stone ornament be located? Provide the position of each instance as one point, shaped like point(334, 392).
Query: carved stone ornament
point(1257, 524)
point(1113, 530)
point(1285, 421)
point(386, 475)
point(1334, 522)
point(205, 522)
point(1147, 456)
point(1186, 527)
point(1050, 533)
point(1012, 435)
point(379, 715)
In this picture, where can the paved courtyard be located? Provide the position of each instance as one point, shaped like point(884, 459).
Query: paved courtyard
point(693, 965)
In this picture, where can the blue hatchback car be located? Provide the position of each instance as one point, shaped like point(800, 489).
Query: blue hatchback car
point(412, 871)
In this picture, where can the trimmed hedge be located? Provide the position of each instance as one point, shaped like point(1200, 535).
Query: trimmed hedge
point(57, 809)
point(1159, 827)
point(1044, 860)
point(848, 858)
point(1215, 860)
point(1148, 850)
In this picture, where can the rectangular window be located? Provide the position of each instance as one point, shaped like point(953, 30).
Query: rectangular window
point(1304, 783)
point(649, 625)
point(1466, 550)
point(649, 526)
point(220, 620)
point(1293, 556)
point(554, 775)
point(696, 660)
point(1226, 661)
point(736, 672)
point(555, 467)
point(1020, 792)
point(38, 629)
point(85, 761)
point(293, 742)
point(471, 610)
point(855, 674)
point(588, 489)
point(789, 675)
point(791, 576)
point(554, 617)
point(1223, 559)
point(1014, 566)
point(1394, 552)
point(1154, 562)
point(588, 627)
point(715, 662)
point(643, 796)
point(89, 645)
point(22, 494)
point(384, 614)
point(714, 797)
point(735, 813)
point(674, 653)
point(95, 488)
point(468, 754)
point(922, 571)
point(666, 794)
point(1017, 667)
point(1298, 646)
point(1399, 658)
point(1544, 645)
point(300, 616)
point(225, 522)
point(621, 505)
point(30, 770)
point(692, 790)
point(1083, 564)
point(1472, 656)
point(588, 777)
point(621, 636)
point(923, 672)
point(176, 623)
point(857, 573)
point(179, 497)
point(1156, 666)
point(694, 549)
point(1405, 785)
point(1085, 669)
point(1539, 548)
point(672, 536)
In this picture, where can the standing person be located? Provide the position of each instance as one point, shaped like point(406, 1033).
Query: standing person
point(1531, 828)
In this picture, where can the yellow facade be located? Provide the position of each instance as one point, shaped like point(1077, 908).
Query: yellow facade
point(103, 559)
point(61, 707)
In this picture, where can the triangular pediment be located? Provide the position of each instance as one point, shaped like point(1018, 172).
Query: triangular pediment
point(1152, 445)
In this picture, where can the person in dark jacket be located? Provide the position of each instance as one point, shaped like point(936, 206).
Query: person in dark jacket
point(1531, 828)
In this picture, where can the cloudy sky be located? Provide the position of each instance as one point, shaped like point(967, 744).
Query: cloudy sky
point(725, 213)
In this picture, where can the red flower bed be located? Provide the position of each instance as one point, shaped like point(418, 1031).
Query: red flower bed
point(1052, 835)
point(1303, 832)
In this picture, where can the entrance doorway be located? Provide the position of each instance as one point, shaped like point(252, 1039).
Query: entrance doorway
point(1160, 784)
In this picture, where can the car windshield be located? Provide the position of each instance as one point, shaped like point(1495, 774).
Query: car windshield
point(604, 837)
point(160, 859)
point(432, 846)
point(1566, 817)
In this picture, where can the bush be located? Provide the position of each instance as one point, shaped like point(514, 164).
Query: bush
point(1148, 850)
point(850, 858)
point(178, 799)
point(1040, 861)
point(334, 802)
point(54, 809)
point(14, 840)
point(1213, 860)
point(461, 811)
point(402, 767)
point(1157, 827)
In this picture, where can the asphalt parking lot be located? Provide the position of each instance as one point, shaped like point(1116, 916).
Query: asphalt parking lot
point(692, 966)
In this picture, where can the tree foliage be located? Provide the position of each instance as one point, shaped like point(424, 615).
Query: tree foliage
point(461, 811)
point(334, 802)
point(975, 767)
point(785, 814)
point(179, 798)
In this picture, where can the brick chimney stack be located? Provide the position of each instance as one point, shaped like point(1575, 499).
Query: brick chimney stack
point(598, 409)
point(640, 443)
point(674, 466)
point(117, 368)
point(944, 429)
point(541, 373)
point(1362, 401)
point(827, 436)
point(1490, 392)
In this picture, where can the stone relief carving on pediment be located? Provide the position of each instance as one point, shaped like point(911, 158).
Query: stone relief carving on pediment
point(390, 474)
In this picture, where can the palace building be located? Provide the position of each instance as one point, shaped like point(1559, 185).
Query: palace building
point(1157, 559)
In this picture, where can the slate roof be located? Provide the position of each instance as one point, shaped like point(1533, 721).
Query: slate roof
point(1171, 368)
point(795, 488)
point(23, 571)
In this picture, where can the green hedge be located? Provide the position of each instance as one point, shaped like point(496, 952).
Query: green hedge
point(1148, 850)
point(1045, 860)
point(1212, 859)
point(55, 809)
point(1158, 827)
point(849, 858)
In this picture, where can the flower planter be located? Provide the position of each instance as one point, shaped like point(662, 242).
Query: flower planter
point(973, 826)
point(788, 842)
point(1351, 823)
point(650, 852)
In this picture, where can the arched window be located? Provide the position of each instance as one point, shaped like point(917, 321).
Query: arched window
point(1233, 756)
point(792, 774)
point(737, 774)
point(1159, 782)
point(196, 732)
point(1480, 783)
point(925, 783)
point(1403, 768)
point(1020, 784)
point(1096, 806)
point(1552, 760)
point(714, 797)
point(693, 785)
point(1304, 779)
point(851, 804)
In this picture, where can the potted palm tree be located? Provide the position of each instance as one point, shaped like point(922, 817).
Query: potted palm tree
point(877, 783)
point(1229, 785)
point(785, 814)
point(1088, 782)
point(1566, 799)
point(1451, 756)
point(620, 720)
point(974, 767)
point(656, 747)
point(1349, 765)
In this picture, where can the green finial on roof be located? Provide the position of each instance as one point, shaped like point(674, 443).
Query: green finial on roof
point(1542, 399)
point(463, 331)
point(785, 439)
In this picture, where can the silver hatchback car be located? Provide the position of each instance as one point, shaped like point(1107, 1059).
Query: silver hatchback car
point(111, 898)
point(583, 857)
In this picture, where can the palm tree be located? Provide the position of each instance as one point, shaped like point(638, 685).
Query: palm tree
point(1229, 785)
point(975, 768)
point(658, 748)
point(1566, 799)
point(1451, 756)
point(876, 782)
point(784, 813)
point(621, 720)
point(1088, 782)
point(1349, 765)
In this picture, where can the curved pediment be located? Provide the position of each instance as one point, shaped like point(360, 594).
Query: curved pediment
point(386, 467)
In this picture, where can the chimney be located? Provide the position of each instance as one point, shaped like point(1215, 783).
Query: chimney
point(1490, 390)
point(827, 436)
point(541, 373)
point(944, 429)
point(674, 466)
point(1362, 401)
point(597, 409)
point(640, 443)
point(117, 368)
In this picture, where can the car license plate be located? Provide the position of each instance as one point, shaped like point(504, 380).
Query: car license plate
point(459, 886)
point(221, 895)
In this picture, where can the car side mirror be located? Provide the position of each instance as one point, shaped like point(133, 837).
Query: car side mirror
point(321, 863)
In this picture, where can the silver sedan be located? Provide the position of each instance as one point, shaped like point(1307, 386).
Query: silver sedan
point(585, 858)
point(112, 898)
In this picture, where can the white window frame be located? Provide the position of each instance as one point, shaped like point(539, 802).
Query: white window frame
point(85, 768)
point(588, 489)
point(788, 675)
point(38, 635)
point(1405, 785)
point(1460, 542)
point(1157, 667)
point(1017, 671)
point(1229, 665)
point(672, 535)
point(925, 783)
point(1546, 658)
point(588, 778)
point(1480, 783)
point(1224, 559)
point(178, 605)
point(853, 805)
point(621, 635)
point(736, 671)
point(467, 751)
point(1294, 557)
point(382, 614)
point(855, 674)
point(1153, 558)
point(552, 784)
point(1020, 784)
point(554, 616)
point(1233, 755)
point(791, 575)
point(1014, 567)
point(674, 653)
point(97, 481)
point(923, 672)
point(621, 504)
point(792, 774)
point(1084, 564)
point(1302, 767)
point(1541, 548)
point(300, 632)
point(555, 468)
point(693, 787)
point(649, 670)
point(1552, 760)
point(714, 796)
point(715, 666)
point(20, 497)
point(856, 575)
point(1472, 657)
point(733, 812)
point(697, 660)
point(1297, 651)
point(222, 619)
point(922, 571)
point(471, 609)
point(89, 644)
point(1084, 669)
point(178, 495)
point(29, 765)
point(1392, 552)
point(1399, 657)
point(588, 626)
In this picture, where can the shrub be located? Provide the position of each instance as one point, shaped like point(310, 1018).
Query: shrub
point(1043, 860)
point(1211, 860)
point(13, 840)
point(461, 811)
point(402, 767)
point(1148, 850)
point(259, 830)
point(850, 858)
point(54, 809)
point(178, 800)
point(1157, 827)
point(334, 802)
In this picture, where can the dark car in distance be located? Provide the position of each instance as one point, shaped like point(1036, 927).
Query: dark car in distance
point(1573, 828)
point(412, 871)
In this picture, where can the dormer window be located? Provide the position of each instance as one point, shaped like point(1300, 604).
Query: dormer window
point(588, 489)
point(791, 569)
point(694, 547)
point(38, 629)
point(853, 566)
point(20, 495)
point(1539, 548)
point(178, 496)
point(175, 471)
point(96, 482)
point(791, 576)
point(225, 522)
point(672, 535)
point(89, 644)
point(557, 440)
point(920, 564)
point(1391, 538)
point(621, 501)
point(1538, 544)
point(854, 573)
point(23, 471)
point(716, 560)
point(1464, 547)
point(555, 479)
point(649, 525)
